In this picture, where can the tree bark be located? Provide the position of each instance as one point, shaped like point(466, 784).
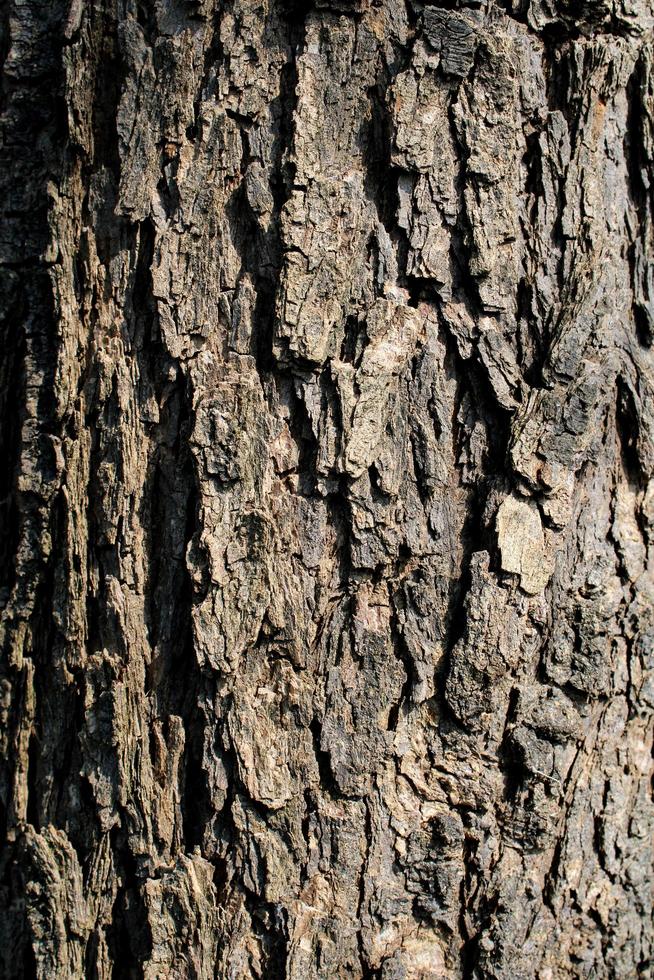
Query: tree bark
point(327, 401)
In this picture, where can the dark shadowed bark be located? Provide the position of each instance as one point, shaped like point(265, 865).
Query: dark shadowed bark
point(327, 400)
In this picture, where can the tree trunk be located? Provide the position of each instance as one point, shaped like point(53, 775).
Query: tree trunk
point(327, 514)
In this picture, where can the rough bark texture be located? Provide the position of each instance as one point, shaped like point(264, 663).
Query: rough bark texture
point(327, 515)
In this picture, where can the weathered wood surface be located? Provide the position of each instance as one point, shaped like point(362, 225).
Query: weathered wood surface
point(327, 512)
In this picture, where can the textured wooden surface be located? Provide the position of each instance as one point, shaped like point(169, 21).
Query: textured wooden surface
point(327, 402)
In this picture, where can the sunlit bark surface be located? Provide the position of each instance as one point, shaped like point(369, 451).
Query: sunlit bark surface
point(327, 405)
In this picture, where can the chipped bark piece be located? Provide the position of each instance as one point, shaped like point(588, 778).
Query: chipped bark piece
point(522, 544)
point(393, 331)
point(454, 37)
